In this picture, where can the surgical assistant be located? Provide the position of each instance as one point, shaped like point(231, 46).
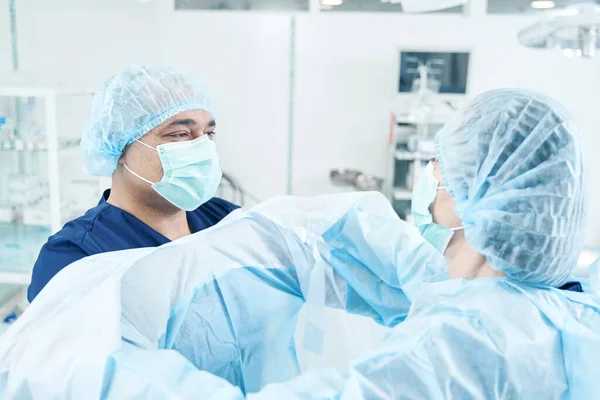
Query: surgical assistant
point(151, 129)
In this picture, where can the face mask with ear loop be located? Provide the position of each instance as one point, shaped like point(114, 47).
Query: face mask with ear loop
point(424, 194)
point(191, 172)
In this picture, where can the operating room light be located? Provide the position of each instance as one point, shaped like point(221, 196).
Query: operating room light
point(576, 31)
point(331, 3)
point(543, 4)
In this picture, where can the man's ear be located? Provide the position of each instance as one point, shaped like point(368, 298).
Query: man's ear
point(122, 158)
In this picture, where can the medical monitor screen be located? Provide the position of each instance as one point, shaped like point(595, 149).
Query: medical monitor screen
point(447, 72)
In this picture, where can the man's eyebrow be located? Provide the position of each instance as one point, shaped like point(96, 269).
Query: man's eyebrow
point(184, 122)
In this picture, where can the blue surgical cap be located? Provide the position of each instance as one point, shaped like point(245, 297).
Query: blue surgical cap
point(512, 162)
point(132, 103)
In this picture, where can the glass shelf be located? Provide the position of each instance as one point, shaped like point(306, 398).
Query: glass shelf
point(410, 156)
point(37, 185)
point(19, 248)
point(64, 145)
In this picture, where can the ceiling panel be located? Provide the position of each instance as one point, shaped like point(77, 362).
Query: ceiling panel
point(292, 5)
point(524, 6)
point(258, 5)
point(377, 6)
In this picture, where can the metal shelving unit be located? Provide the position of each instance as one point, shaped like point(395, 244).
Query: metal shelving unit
point(21, 238)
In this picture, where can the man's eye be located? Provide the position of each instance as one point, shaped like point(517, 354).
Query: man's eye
point(179, 135)
point(211, 134)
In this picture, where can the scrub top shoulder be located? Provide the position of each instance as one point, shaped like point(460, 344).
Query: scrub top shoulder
point(107, 228)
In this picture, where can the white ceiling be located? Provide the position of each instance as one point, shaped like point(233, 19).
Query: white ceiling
point(494, 6)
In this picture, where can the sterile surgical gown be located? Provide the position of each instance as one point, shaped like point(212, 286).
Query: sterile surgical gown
point(200, 318)
point(489, 338)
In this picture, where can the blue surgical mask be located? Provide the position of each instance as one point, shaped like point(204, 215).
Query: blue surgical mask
point(191, 172)
point(424, 194)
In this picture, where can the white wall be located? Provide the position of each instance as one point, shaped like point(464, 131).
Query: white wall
point(346, 75)
point(79, 42)
point(5, 57)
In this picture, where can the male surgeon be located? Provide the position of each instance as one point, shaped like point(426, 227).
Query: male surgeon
point(151, 129)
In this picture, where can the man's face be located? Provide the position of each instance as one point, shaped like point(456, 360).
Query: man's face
point(144, 161)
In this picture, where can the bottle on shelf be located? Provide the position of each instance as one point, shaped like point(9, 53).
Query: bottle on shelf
point(7, 133)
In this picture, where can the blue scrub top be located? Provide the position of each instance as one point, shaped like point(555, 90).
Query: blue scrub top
point(107, 228)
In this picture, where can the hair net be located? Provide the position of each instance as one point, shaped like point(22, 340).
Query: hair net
point(512, 162)
point(132, 103)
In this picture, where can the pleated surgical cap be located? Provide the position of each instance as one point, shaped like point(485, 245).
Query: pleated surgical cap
point(512, 162)
point(132, 103)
